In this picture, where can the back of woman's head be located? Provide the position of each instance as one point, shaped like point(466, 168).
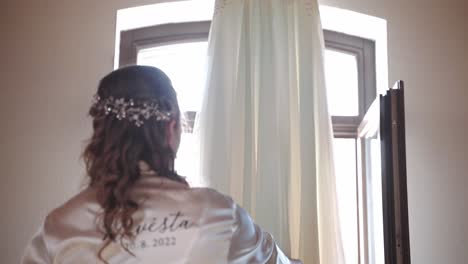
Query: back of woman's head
point(131, 114)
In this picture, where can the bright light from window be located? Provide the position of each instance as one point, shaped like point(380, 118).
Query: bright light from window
point(345, 160)
point(184, 63)
point(376, 216)
point(342, 83)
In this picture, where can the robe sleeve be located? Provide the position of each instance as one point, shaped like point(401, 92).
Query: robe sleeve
point(36, 251)
point(250, 244)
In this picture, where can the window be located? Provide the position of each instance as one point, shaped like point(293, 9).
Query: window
point(350, 78)
point(179, 50)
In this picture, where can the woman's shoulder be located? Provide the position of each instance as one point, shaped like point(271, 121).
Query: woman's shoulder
point(80, 208)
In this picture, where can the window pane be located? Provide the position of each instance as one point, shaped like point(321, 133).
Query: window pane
point(345, 163)
point(184, 63)
point(375, 221)
point(341, 74)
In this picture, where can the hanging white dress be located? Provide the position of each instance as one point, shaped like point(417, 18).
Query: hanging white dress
point(265, 133)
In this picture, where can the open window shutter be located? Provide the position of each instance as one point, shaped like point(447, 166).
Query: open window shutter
point(394, 188)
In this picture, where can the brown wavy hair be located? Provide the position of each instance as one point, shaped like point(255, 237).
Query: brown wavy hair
point(116, 147)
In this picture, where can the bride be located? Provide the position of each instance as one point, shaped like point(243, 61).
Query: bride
point(137, 209)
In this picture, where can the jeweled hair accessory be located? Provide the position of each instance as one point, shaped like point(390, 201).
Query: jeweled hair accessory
point(128, 109)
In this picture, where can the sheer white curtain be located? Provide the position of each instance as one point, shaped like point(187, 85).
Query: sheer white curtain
point(265, 132)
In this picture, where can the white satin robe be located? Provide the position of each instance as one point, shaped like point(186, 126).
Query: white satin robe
point(175, 224)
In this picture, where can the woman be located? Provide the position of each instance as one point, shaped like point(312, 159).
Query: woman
point(136, 208)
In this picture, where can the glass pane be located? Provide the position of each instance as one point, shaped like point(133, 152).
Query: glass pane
point(184, 63)
point(345, 163)
point(375, 222)
point(341, 74)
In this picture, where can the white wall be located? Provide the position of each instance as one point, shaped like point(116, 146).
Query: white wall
point(54, 52)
